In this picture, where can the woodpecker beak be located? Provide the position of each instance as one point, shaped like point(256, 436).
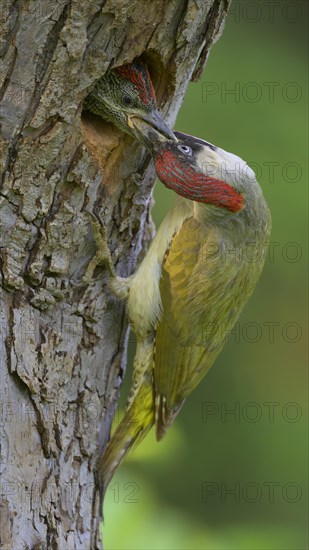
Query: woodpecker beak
point(159, 124)
point(143, 124)
point(150, 135)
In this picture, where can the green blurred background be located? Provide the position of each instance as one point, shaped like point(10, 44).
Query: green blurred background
point(238, 481)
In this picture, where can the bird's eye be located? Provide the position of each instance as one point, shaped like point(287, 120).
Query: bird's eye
point(185, 149)
point(127, 100)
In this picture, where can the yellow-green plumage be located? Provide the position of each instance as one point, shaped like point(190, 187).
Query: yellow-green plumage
point(188, 291)
point(201, 293)
point(196, 277)
point(134, 426)
point(142, 294)
point(202, 296)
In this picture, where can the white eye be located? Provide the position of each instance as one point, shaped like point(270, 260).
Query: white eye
point(185, 149)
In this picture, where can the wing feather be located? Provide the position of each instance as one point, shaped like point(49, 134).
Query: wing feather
point(202, 296)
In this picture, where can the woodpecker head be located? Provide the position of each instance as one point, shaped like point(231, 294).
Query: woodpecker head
point(126, 92)
point(201, 171)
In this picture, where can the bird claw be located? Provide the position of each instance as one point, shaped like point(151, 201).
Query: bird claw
point(119, 286)
point(102, 255)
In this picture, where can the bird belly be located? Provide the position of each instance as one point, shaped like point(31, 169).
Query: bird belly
point(144, 302)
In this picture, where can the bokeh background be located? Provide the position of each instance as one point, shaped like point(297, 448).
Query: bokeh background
point(237, 480)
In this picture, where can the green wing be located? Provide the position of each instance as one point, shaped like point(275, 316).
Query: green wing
point(202, 296)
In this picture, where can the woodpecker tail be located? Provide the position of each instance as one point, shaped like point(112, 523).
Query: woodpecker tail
point(137, 421)
point(164, 415)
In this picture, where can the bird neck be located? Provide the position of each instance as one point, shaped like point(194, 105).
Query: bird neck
point(252, 222)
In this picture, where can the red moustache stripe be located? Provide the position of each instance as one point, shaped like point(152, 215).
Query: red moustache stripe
point(188, 183)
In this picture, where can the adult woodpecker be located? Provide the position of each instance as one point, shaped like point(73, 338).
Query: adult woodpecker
point(126, 92)
point(188, 292)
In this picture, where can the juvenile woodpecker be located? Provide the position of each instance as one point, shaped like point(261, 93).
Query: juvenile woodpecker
point(190, 288)
point(125, 92)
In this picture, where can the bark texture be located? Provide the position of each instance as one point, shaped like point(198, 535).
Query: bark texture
point(62, 347)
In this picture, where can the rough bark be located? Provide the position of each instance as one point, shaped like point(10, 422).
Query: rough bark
point(62, 354)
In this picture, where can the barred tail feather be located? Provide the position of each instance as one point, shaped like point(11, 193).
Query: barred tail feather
point(164, 415)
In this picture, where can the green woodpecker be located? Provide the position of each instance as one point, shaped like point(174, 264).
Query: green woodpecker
point(188, 292)
point(124, 92)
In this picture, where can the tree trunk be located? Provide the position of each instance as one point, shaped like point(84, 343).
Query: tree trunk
point(62, 354)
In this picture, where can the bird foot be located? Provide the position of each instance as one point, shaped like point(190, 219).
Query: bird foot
point(102, 255)
point(120, 286)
